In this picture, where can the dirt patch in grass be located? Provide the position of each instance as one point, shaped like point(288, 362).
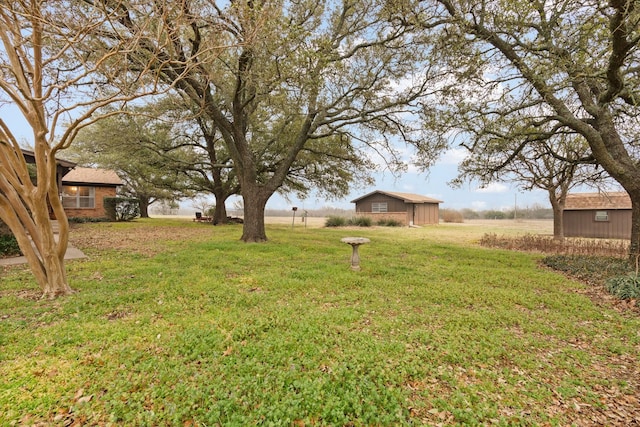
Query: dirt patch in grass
point(148, 240)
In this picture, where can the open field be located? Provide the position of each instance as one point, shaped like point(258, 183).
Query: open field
point(178, 323)
point(472, 229)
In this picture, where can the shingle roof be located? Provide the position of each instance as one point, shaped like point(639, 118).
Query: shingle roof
point(30, 156)
point(92, 176)
point(586, 201)
point(406, 197)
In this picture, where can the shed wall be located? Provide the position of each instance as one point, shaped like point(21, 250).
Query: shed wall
point(582, 223)
point(393, 204)
point(406, 213)
point(426, 213)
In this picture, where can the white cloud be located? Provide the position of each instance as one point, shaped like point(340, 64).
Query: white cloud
point(453, 156)
point(494, 187)
point(408, 188)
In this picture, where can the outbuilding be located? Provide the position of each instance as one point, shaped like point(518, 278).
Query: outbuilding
point(406, 208)
point(600, 215)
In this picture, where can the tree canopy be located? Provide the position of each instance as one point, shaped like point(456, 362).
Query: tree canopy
point(542, 67)
point(328, 79)
point(143, 146)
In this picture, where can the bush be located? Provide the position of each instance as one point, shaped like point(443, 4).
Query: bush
point(121, 208)
point(389, 222)
point(361, 221)
point(335, 221)
point(9, 246)
point(625, 287)
point(82, 219)
point(549, 245)
point(451, 215)
point(590, 269)
point(339, 221)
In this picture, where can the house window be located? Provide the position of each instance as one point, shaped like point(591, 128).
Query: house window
point(78, 197)
point(602, 216)
point(379, 207)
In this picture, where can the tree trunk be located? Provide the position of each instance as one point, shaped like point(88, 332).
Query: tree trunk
point(220, 211)
point(143, 202)
point(634, 247)
point(52, 250)
point(33, 229)
point(255, 201)
point(558, 217)
point(558, 223)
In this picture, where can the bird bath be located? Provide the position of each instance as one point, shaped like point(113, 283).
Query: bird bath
point(355, 256)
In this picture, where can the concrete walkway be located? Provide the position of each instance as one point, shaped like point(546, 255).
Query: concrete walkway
point(72, 253)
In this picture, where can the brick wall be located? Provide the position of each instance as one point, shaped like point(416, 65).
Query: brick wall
point(401, 217)
point(98, 211)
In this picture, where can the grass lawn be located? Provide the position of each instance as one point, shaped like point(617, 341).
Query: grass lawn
point(181, 324)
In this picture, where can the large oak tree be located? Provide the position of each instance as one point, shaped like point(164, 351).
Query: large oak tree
point(574, 62)
point(339, 72)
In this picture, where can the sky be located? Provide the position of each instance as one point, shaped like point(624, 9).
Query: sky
point(498, 196)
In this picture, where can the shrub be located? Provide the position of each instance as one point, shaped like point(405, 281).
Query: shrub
point(451, 215)
point(625, 287)
point(9, 246)
point(82, 219)
point(549, 245)
point(591, 269)
point(335, 221)
point(361, 221)
point(389, 222)
point(121, 208)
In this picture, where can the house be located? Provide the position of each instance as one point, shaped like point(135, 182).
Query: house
point(83, 191)
point(62, 166)
point(408, 209)
point(601, 215)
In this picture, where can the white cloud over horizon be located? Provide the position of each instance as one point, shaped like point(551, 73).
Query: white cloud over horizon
point(493, 187)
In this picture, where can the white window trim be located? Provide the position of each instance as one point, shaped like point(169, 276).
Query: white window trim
point(379, 207)
point(78, 197)
point(601, 216)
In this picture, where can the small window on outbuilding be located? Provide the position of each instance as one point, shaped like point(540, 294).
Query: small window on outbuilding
point(602, 216)
point(379, 207)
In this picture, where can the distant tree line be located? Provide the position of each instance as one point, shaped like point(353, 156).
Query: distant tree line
point(529, 212)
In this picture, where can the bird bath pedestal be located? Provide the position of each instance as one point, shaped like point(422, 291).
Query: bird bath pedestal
point(355, 242)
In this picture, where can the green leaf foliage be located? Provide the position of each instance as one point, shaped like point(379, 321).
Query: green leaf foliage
point(9, 245)
point(625, 287)
point(121, 208)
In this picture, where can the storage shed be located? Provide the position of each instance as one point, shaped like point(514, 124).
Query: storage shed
point(406, 208)
point(601, 215)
